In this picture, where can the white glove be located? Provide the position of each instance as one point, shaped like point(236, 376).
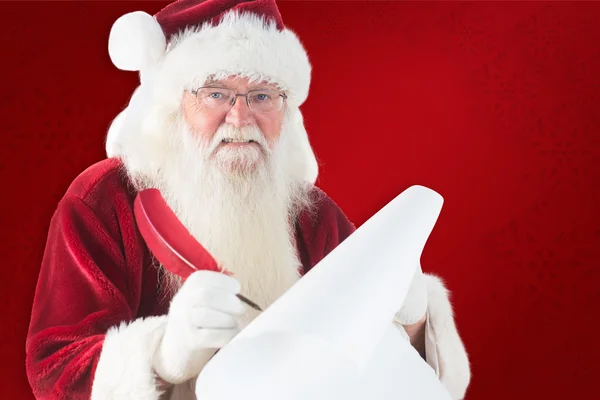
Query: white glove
point(414, 307)
point(201, 320)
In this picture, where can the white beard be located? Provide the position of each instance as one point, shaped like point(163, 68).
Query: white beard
point(240, 205)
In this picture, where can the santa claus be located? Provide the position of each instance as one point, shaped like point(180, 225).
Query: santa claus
point(215, 126)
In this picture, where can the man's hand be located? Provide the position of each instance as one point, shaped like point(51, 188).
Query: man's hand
point(201, 320)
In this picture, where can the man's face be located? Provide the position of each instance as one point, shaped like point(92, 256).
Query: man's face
point(230, 178)
point(238, 137)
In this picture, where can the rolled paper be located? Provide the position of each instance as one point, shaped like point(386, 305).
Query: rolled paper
point(325, 332)
point(349, 298)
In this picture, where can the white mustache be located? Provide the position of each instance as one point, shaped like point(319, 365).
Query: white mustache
point(229, 132)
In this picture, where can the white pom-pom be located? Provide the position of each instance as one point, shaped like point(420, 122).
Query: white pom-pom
point(136, 41)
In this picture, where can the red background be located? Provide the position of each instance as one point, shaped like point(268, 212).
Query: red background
point(492, 104)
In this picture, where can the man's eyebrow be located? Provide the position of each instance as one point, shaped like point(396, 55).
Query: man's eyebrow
point(264, 85)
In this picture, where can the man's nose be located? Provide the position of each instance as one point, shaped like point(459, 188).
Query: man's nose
point(240, 114)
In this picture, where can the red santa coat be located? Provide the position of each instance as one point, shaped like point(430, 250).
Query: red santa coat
point(98, 314)
point(97, 273)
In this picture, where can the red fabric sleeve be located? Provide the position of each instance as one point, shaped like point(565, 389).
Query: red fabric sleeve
point(80, 294)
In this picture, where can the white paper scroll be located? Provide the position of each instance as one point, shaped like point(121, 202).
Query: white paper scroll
point(330, 336)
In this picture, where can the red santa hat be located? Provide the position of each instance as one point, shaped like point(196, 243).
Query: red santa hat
point(190, 41)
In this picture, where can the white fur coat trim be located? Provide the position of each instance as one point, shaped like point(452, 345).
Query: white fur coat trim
point(450, 355)
point(124, 369)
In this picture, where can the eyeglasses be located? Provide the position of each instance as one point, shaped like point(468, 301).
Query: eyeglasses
point(223, 99)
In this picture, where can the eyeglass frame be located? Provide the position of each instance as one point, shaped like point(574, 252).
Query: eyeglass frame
point(236, 95)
